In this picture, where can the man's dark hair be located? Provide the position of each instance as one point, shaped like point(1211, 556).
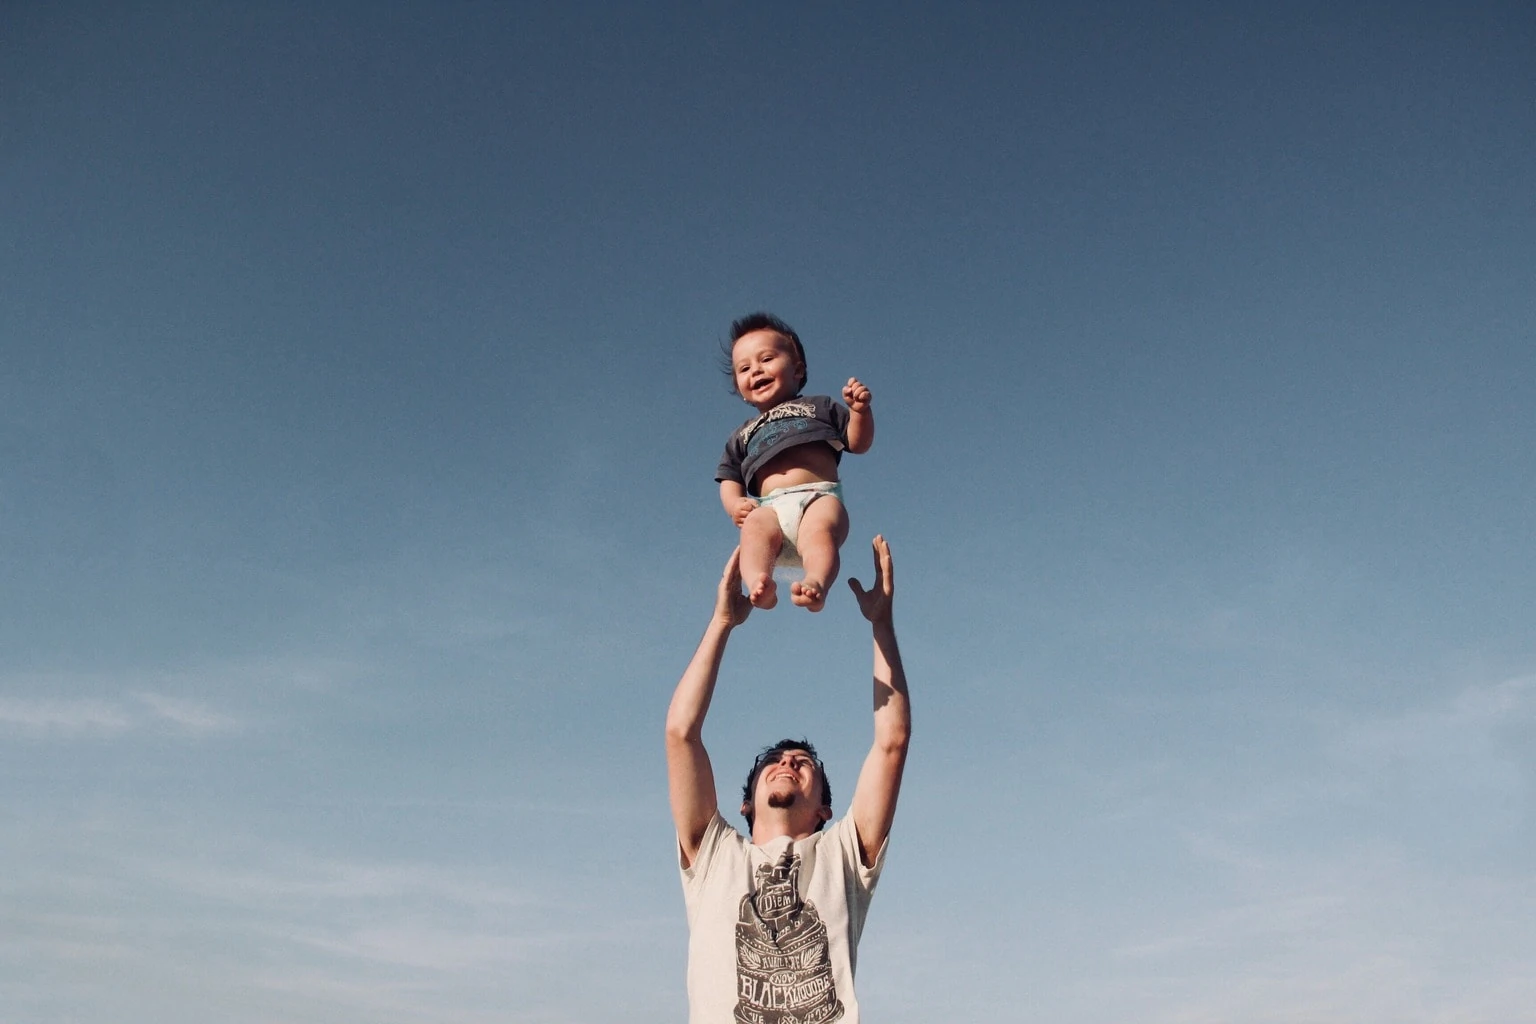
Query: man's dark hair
point(761, 321)
point(771, 755)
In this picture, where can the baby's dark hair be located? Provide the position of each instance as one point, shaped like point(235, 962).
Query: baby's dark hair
point(759, 321)
point(771, 755)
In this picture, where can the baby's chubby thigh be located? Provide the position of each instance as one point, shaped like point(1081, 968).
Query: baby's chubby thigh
point(825, 521)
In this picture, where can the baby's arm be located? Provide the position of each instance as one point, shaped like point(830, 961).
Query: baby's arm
point(734, 498)
point(861, 419)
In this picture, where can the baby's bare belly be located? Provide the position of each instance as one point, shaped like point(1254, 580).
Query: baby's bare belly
point(802, 464)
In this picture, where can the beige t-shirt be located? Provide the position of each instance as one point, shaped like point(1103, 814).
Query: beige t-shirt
point(773, 930)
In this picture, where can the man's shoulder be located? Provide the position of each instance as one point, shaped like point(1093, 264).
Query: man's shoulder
point(843, 832)
point(719, 839)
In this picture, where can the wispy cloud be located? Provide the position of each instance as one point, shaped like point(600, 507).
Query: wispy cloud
point(64, 717)
point(46, 718)
point(187, 716)
point(1467, 749)
point(190, 702)
point(1473, 714)
point(1237, 926)
point(306, 880)
point(427, 947)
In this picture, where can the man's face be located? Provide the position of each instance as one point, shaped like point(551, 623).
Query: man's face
point(791, 780)
point(766, 369)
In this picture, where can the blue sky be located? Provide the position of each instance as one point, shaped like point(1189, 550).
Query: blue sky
point(358, 416)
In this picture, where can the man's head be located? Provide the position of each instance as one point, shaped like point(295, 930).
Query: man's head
point(788, 775)
point(766, 361)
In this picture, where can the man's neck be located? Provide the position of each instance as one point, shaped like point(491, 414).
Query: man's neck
point(766, 828)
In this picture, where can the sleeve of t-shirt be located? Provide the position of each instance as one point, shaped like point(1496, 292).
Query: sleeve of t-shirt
point(716, 834)
point(730, 462)
point(860, 877)
point(838, 414)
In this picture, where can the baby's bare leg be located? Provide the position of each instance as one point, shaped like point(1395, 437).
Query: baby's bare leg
point(761, 539)
point(823, 529)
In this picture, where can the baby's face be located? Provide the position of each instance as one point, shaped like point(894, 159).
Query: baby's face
point(766, 368)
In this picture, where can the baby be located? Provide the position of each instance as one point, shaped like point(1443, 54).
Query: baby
point(778, 478)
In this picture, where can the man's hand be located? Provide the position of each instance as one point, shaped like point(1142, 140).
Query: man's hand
point(742, 509)
point(874, 603)
point(856, 396)
point(731, 605)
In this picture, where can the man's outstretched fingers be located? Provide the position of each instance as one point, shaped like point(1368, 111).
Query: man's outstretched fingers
point(730, 578)
point(883, 569)
point(882, 552)
point(730, 603)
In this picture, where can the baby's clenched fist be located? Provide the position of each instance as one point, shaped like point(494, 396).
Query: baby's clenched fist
point(856, 395)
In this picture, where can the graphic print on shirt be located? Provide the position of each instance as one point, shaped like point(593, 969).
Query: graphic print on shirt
point(792, 409)
point(783, 964)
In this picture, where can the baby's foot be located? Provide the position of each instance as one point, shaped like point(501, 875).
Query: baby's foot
point(764, 592)
point(808, 594)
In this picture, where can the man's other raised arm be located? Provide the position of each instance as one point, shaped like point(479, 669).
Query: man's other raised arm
point(874, 798)
point(690, 778)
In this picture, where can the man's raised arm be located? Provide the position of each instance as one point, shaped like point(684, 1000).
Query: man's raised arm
point(874, 798)
point(690, 779)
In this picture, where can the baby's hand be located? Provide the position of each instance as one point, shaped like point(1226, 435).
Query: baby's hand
point(743, 509)
point(856, 395)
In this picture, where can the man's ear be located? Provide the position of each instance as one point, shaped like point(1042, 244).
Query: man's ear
point(824, 812)
point(745, 807)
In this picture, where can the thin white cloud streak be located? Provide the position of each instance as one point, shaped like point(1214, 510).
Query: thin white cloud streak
point(64, 718)
point(1467, 749)
point(67, 719)
point(188, 716)
point(420, 947)
point(307, 880)
point(1472, 716)
point(1236, 926)
point(194, 703)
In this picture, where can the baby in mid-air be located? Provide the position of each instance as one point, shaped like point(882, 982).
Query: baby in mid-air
point(778, 478)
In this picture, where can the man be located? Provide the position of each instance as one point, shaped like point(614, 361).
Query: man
point(774, 922)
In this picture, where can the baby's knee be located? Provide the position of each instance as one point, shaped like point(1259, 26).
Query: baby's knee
point(761, 519)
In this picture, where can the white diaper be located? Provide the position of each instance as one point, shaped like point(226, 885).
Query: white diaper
point(789, 504)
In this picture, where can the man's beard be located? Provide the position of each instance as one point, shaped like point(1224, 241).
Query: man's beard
point(782, 799)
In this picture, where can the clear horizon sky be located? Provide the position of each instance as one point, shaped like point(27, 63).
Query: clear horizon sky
point(358, 415)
